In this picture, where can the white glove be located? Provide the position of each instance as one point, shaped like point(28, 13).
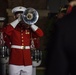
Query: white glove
point(34, 27)
point(19, 18)
point(14, 23)
point(72, 3)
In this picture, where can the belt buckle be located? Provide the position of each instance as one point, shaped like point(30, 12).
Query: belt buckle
point(23, 47)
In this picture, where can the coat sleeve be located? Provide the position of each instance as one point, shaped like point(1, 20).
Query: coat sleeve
point(8, 30)
point(10, 27)
point(37, 30)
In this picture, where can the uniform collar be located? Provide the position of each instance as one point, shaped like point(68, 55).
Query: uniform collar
point(22, 25)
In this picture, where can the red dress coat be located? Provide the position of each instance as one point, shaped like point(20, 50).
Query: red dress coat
point(21, 36)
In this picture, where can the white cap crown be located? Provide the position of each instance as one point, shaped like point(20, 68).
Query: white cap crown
point(18, 9)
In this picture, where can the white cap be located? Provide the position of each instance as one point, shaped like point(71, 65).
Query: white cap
point(17, 9)
point(2, 18)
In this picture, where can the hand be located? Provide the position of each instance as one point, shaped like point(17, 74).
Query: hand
point(19, 18)
point(72, 3)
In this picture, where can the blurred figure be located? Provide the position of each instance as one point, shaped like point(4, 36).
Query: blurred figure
point(4, 50)
point(71, 4)
point(66, 9)
point(62, 12)
point(52, 19)
point(62, 47)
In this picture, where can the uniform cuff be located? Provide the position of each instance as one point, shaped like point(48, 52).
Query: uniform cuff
point(34, 27)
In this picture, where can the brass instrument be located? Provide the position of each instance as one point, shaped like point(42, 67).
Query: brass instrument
point(30, 16)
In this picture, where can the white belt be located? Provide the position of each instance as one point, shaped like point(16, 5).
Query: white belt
point(20, 47)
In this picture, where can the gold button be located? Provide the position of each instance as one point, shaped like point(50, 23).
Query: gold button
point(21, 33)
point(22, 44)
point(22, 37)
point(22, 40)
point(21, 30)
point(28, 32)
